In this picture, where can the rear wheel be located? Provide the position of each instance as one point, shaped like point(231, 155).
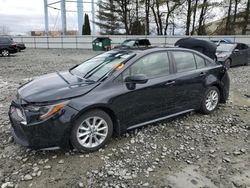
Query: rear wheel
point(211, 100)
point(5, 52)
point(227, 64)
point(247, 63)
point(91, 131)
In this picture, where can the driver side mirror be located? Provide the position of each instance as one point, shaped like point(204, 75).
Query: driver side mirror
point(131, 81)
point(236, 50)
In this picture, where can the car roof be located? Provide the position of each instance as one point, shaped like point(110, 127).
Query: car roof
point(156, 49)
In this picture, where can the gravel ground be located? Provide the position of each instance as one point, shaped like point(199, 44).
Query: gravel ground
point(187, 151)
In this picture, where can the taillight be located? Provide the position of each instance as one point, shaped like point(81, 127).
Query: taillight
point(14, 45)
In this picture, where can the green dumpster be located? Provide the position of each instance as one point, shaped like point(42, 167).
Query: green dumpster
point(101, 44)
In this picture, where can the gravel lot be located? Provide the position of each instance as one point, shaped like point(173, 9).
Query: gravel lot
point(188, 151)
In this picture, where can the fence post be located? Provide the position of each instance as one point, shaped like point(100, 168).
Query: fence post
point(35, 42)
point(47, 41)
point(76, 42)
point(61, 41)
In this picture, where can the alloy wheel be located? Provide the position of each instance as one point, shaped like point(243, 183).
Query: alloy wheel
point(92, 132)
point(5, 53)
point(228, 64)
point(212, 100)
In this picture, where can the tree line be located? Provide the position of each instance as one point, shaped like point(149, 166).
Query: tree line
point(169, 17)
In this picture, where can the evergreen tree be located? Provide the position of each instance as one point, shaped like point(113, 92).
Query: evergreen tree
point(86, 27)
point(109, 19)
point(83, 29)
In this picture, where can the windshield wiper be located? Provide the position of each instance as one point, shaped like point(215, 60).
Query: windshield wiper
point(89, 80)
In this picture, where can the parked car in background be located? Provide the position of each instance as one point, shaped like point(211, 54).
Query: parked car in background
point(222, 41)
point(116, 91)
point(206, 47)
point(135, 43)
point(233, 54)
point(7, 46)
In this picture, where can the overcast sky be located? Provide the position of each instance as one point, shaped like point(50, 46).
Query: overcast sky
point(22, 16)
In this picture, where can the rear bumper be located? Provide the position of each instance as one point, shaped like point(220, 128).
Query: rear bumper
point(54, 132)
point(13, 50)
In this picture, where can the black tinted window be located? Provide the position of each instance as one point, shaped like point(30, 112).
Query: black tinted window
point(152, 66)
point(4, 40)
point(244, 46)
point(200, 61)
point(240, 46)
point(184, 61)
point(144, 42)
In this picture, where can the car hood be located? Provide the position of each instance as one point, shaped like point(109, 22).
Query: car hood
point(222, 54)
point(55, 86)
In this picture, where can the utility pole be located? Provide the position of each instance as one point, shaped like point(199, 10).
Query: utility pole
point(63, 17)
point(93, 16)
point(46, 17)
point(80, 16)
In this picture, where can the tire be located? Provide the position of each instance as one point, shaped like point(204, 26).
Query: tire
point(210, 101)
point(247, 63)
point(85, 136)
point(5, 53)
point(228, 63)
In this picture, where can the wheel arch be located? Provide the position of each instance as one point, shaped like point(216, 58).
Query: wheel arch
point(110, 112)
point(231, 60)
point(217, 85)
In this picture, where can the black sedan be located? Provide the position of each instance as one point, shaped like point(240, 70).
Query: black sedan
point(233, 54)
point(7, 46)
point(114, 92)
point(135, 43)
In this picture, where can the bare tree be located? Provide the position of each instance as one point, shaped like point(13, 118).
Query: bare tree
point(155, 7)
point(171, 7)
point(189, 13)
point(228, 19)
point(201, 19)
point(246, 18)
point(147, 10)
point(194, 16)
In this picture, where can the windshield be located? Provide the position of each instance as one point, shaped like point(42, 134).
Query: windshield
point(128, 43)
point(97, 67)
point(225, 47)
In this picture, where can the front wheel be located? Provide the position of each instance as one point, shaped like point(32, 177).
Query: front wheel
point(210, 100)
point(5, 53)
point(91, 131)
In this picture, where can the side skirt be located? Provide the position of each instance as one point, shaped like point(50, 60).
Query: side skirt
point(159, 119)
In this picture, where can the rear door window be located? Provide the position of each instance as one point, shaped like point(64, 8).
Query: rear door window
point(152, 66)
point(184, 61)
point(4, 40)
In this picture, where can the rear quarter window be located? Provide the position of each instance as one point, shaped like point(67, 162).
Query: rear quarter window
point(200, 61)
point(184, 61)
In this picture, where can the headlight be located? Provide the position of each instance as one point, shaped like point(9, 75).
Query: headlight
point(46, 111)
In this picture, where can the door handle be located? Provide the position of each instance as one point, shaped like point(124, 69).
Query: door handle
point(202, 74)
point(170, 82)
